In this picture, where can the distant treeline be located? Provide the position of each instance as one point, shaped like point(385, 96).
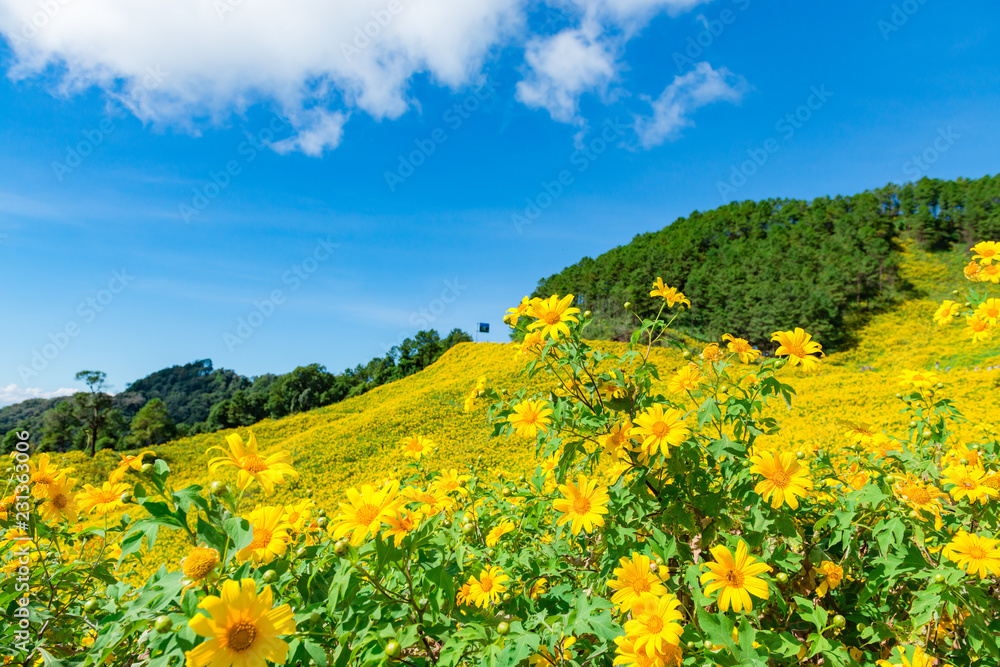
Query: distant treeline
point(751, 268)
point(197, 398)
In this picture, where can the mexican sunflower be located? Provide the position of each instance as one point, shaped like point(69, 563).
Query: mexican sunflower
point(669, 294)
point(270, 535)
point(101, 500)
point(488, 588)
point(628, 655)
point(417, 447)
point(241, 628)
point(657, 428)
point(784, 479)
point(365, 511)
point(946, 312)
point(582, 505)
point(552, 314)
point(974, 554)
point(529, 418)
point(633, 579)
point(919, 659)
point(741, 348)
point(656, 626)
point(43, 474)
point(735, 578)
point(251, 466)
point(59, 502)
point(128, 462)
point(799, 347)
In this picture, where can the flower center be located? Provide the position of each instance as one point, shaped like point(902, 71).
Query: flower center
point(968, 483)
point(43, 478)
point(241, 636)
point(780, 479)
point(486, 582)
point(734, 578)
point(654, 624)
point(106, 497)
point(977, 553)
point(253, 464)
point(552, 317)
point(367, 514)
point(581, 505)
point(918, 496)
point(795, 350)
point(261, 537)
point(640, 585)
point(660, 429)
point(60, 501)
point(529, 416)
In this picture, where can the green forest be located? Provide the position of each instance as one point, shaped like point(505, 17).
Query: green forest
point(751, 268)
point(198, 398)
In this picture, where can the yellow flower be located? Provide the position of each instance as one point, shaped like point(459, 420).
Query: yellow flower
point(986, 252)
point(128, 462)
point(515, 313)
point(737, 577)
point(533, 344)
point(799, 347)
point(832, 574)
point(946, 313)
point(656, 626)
point(919, 379)
point(450, 481)
point(416, 447)
point(462, 597)
point(741, 348)
point(658, 428)
point(401, 524)
point(989, 311)
point(488, 588)
point(431, 501)
point(266, 471)
point(669, 294)
point(529, 418)
point(298, 515)
point(199, 563)
point(103, 500)
point(364, 511)
point(989, 274)
point(784, 479)
point(979, 329)
point(270, 535)
point(498, 531)
point(919, 659)
point(711, 352)
point(628, 656)
point(538, 588)
point(617, 442)
point(974, 554)
point(44, 473)
point(634, 579)
point(241, 628)
point(583, 504)
point(972, 270)
point(544, 659)
point(968, 483)
point(686, 379)
point(59, 503)
point(552, 315)
point(920, 496)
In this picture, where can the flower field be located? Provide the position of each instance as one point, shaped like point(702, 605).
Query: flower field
point(561, 502)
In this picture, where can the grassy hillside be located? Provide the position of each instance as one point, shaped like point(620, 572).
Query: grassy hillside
point(355, 441)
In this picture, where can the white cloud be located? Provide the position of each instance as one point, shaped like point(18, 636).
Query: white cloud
point(14, 394)
point(192, 63)
point(672, 109)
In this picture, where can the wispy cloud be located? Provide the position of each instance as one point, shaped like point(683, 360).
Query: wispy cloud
point(15, 394)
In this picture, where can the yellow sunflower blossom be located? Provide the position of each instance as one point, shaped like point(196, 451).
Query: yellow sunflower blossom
point(634, 578)
point(583, 505)
point(449, 481)
point(974, 553)
point(669, 294)
point(199, 563)
point(656, 626)
point(365, 511)
point(799, 347)
point(59, 503)
point(979, 329)
point(128, 462)
point(986, 252)
point(736, 577)
point(972, 270)
point(785, 481)
point(657, 428)
point(241, 628)
point(270, 535)
point(401, 524)
point(968, 482)
point(498, 531)
point(711, 353)
point(919, 379)
point(43, 473)
point(741, 348)
point(530, 417)
point(417, 446)
point(488, 588)
point(946, 312)
point(989, 311)
point(919, 659)
point(552, 316)
point(920, 496)
point(628, 656)
point(687, 378)
point(431, 501)
point(989, 274)
point(617, 442)
point(101, 500)
point(831, 574)
point(267, 471)
point(515, 313)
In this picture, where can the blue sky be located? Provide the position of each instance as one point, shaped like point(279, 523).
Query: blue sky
point(216, 179)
